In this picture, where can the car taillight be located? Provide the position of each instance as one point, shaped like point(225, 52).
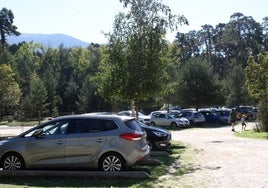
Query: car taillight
point(131, 136)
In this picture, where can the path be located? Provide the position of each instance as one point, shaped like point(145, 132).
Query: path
point(226, 160)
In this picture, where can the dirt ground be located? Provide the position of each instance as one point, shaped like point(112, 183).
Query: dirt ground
point(221, 160)
point(224, 160)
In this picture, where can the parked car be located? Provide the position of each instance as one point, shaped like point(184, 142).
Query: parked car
point(141, 117)
point(249, 111)
point(157, 137)
point(165, 119)
point(195, 117)
point(157, 112)
point(105, 142)
point(216, 116)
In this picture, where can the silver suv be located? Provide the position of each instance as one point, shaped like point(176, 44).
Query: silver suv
point(106, 142)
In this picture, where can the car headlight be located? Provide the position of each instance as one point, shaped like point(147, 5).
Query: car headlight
point(2, 142)
point(160, 134)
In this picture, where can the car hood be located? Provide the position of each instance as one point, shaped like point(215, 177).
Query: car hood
point(144, 117)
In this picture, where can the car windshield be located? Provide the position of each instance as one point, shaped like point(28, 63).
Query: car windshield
point(197, 114)
point(140, 114)
point(177, 115)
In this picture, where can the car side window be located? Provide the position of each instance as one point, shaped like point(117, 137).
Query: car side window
point(51, 128)
point(86, 126)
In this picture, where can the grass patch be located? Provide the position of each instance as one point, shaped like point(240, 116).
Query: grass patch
point(252, 134)
point(165, 175)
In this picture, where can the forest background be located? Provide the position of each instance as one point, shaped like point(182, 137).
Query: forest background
point(225, 65)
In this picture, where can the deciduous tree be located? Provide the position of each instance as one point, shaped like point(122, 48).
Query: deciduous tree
point(134, 69)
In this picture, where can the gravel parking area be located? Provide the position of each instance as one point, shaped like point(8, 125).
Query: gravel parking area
point(224, 160)
point(220, 159)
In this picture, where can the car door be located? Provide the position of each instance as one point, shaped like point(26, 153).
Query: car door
point(167, 120)
point(48, 149)
point(84, 141)
point(158, 119)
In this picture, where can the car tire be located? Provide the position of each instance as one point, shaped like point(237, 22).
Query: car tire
point(173, 124)
point(152, 123)
point(217, 122)
point(151, 145)
point(12, 161)
point(112, 162)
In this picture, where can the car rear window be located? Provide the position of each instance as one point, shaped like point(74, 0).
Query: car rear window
point(133, 124)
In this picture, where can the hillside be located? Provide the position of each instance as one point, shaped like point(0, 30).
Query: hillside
point(49, 40)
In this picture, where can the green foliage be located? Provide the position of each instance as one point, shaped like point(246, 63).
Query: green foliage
point(198, 86)
point(186, 46)
point(139, 65)
point(226, 43)
point(257, 83)
point(34, 104)
point(25, 65)
point(49, 74)
point(252, 134)
point(236, 89)
point(6, 26)
point(9, 91)
point(133, 68)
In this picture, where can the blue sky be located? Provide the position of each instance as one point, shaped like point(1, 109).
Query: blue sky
point(86, 19)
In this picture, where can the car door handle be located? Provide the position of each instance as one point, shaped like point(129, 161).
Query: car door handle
point(59, 142)
point(99, 140)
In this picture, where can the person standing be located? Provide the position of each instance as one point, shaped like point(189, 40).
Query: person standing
point(233, 119)
point(243, 121)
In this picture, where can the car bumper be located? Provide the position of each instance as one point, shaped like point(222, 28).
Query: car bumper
point(163, 144)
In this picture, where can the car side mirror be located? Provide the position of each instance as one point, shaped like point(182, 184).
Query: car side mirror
point(38, 132)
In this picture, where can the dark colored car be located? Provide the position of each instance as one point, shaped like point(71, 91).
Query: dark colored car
point(215, 116)
point(249, 111)
point(158, 138)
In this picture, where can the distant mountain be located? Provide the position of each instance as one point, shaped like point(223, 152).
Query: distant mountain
point(49, 40)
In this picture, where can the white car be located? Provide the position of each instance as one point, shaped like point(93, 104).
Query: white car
point(141, 117)
point(165, 119)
